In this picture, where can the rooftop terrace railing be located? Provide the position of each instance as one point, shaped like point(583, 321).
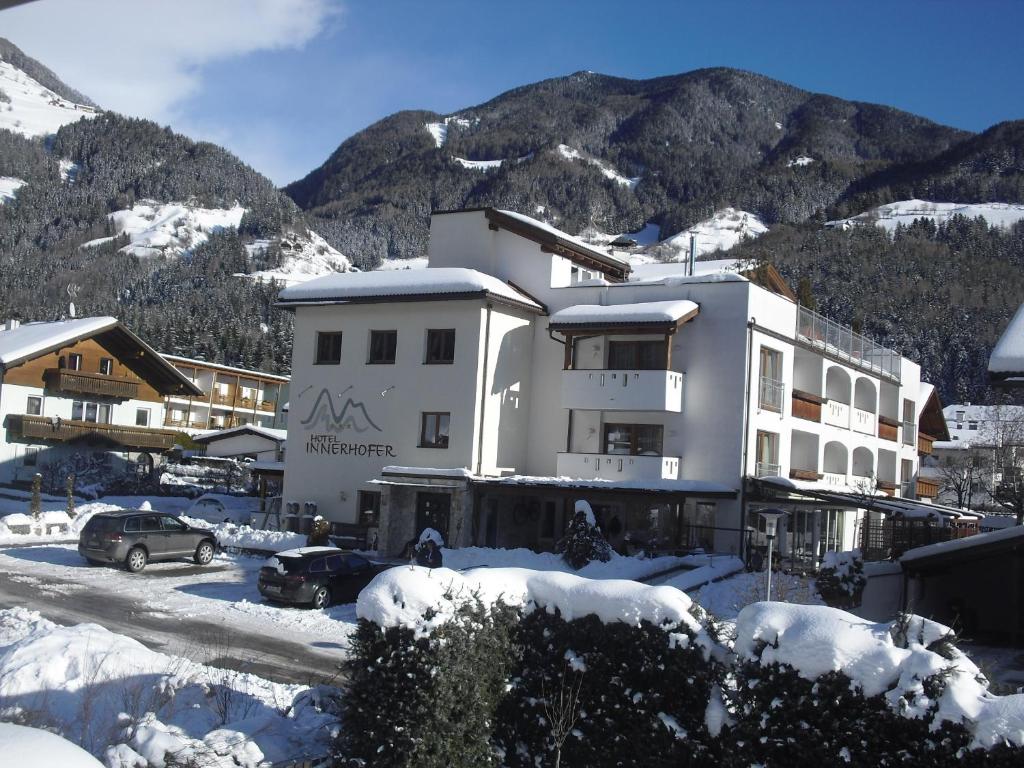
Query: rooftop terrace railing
point(844, 343)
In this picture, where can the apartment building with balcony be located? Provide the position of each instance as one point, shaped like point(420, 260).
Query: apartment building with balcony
point(524, 369)
point(80, 392)
point(229, 397)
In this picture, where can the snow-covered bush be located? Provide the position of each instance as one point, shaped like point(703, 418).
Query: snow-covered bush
point(841, 578)
point(583, 541)
point(817, 686)
point(519, 668)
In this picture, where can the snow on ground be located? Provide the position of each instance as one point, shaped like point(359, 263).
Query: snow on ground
point(881, 659)
point(569, 153)
point(35, 748)
point(133, 706)
point(726, 229)
point(168, 229)
point(9, 186)
point(68, 170)
point(34, 110)
point(439, 131)
point(478, 165)
point(420, 262)
point(726, 598)
point(800, 161)
point(302, 258)
point(906, 211)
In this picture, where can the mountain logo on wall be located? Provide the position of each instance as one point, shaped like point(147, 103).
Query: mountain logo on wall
point(352, 416)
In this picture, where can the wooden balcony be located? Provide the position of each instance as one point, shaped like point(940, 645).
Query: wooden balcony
point(806, 406)
point(924, 444)
point(887, 487)
point(267, 405)
point(888, 429)
point(927, 489)
point(45, 428)
point(82, 383)
point(804, 474)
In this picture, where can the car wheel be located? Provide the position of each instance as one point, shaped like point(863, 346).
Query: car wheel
point(322, 598)
point(136, 560)
point(204, 553)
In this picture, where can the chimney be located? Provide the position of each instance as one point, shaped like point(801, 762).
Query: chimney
point(11, 324)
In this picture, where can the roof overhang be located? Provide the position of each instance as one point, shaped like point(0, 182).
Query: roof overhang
point(566, 487)
point(595, 326)
point(932, 421)
point(291, 304)
point(615, 270)
point(146, 362)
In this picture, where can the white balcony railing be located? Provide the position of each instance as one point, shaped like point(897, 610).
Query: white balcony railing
point(909, 433)
point(771, 393)
point(836, 414)
point(623, 390)
point(609, 466)
point(863, 421)
point(834, 479)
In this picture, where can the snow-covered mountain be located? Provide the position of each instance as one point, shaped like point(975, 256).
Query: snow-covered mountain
point(303, 257)
point(906, 211)
point(29, 108)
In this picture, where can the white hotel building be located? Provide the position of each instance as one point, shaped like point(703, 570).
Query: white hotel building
point(524, 369)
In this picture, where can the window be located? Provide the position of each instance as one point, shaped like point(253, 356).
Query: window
point(150, 523)
point(440, 346)
point(636, 355)
point(633, 439)
point(434, 430)
point(382, 347)
point(771, 387)
point(972, 425)
point(106, 366)
point(318, 566)
point(31, 457)
point(369, 507)
point(173, 525)
point(75, 361)
point(34, 406)
point(97, 413)
point(328, 348)
point(142, 417)
point(767, 454)
point(909, 423)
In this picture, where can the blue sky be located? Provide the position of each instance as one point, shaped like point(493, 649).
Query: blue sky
point(283, 82)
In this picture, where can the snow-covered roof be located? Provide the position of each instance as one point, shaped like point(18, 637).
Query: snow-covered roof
point(968, 542)
point(303, 551)
point(229, 368)
point(30, 339)
point(619, 265)
point(640, 313)
point(277, 435)
point(354, 287)
point(984, 425)
point(1007, 360)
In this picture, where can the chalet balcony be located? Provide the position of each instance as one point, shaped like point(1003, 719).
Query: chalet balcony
point(613, 466)
point(267, 405)
point(927, 489)
point(83, 383)
point(888, 429)
point(607, 390)
point(924, 444)
point(811, 475)
point(47, 429)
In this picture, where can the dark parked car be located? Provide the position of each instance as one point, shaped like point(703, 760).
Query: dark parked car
point(318, 576)
point(135, 537)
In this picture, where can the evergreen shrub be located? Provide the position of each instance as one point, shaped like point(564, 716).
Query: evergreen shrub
point(841, 579)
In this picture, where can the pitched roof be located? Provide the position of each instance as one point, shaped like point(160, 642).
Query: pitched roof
point(277, 435)
point(31, 340)
point(403, 285)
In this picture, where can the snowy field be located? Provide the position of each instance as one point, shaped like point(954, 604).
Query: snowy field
point(905, 212)
point(34, 110)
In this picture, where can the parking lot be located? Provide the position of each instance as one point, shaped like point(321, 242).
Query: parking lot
point(211, 614)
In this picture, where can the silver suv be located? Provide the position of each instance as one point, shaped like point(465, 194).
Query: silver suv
point(135, 537)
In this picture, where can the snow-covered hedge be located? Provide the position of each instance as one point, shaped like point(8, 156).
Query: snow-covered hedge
point(841, 579)
point(508, 666)
point(512, 667)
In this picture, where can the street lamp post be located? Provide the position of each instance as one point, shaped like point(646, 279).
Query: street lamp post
point(771, 522)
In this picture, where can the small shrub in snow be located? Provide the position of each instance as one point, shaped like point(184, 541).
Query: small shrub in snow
point(841, 578)
point(583, 541)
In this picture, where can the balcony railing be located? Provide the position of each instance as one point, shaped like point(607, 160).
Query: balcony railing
point(888, 429)
point(48, 428)
point(836, 414)
point(907, 488)
point(767, 469)
point(267, 405)
point(804, 474)
point(863, 422)
point(601, 390)
point(806, 406)
point(842, 342)
point(82, 383)
point(927, 489)
point(771, 393)
point(612, 466)
point(909, 432)
point(834, 479)
point(924, 444)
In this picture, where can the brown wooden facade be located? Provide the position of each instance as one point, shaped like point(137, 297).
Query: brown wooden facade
point(44, 428)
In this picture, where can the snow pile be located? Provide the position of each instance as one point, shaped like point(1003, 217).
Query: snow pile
point(887, 658)
point(607, 170)
point(168, 229)
point(9, 186)
point(429, 534)
point(619, 567)
point(303, 257)
point(117, 698)
point(34, 110)
point(1008, 355)
point(906, 211)
point(799, 162)
point(53, 525)
point(422, 599)
point(36, 748)
point(246, 537)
